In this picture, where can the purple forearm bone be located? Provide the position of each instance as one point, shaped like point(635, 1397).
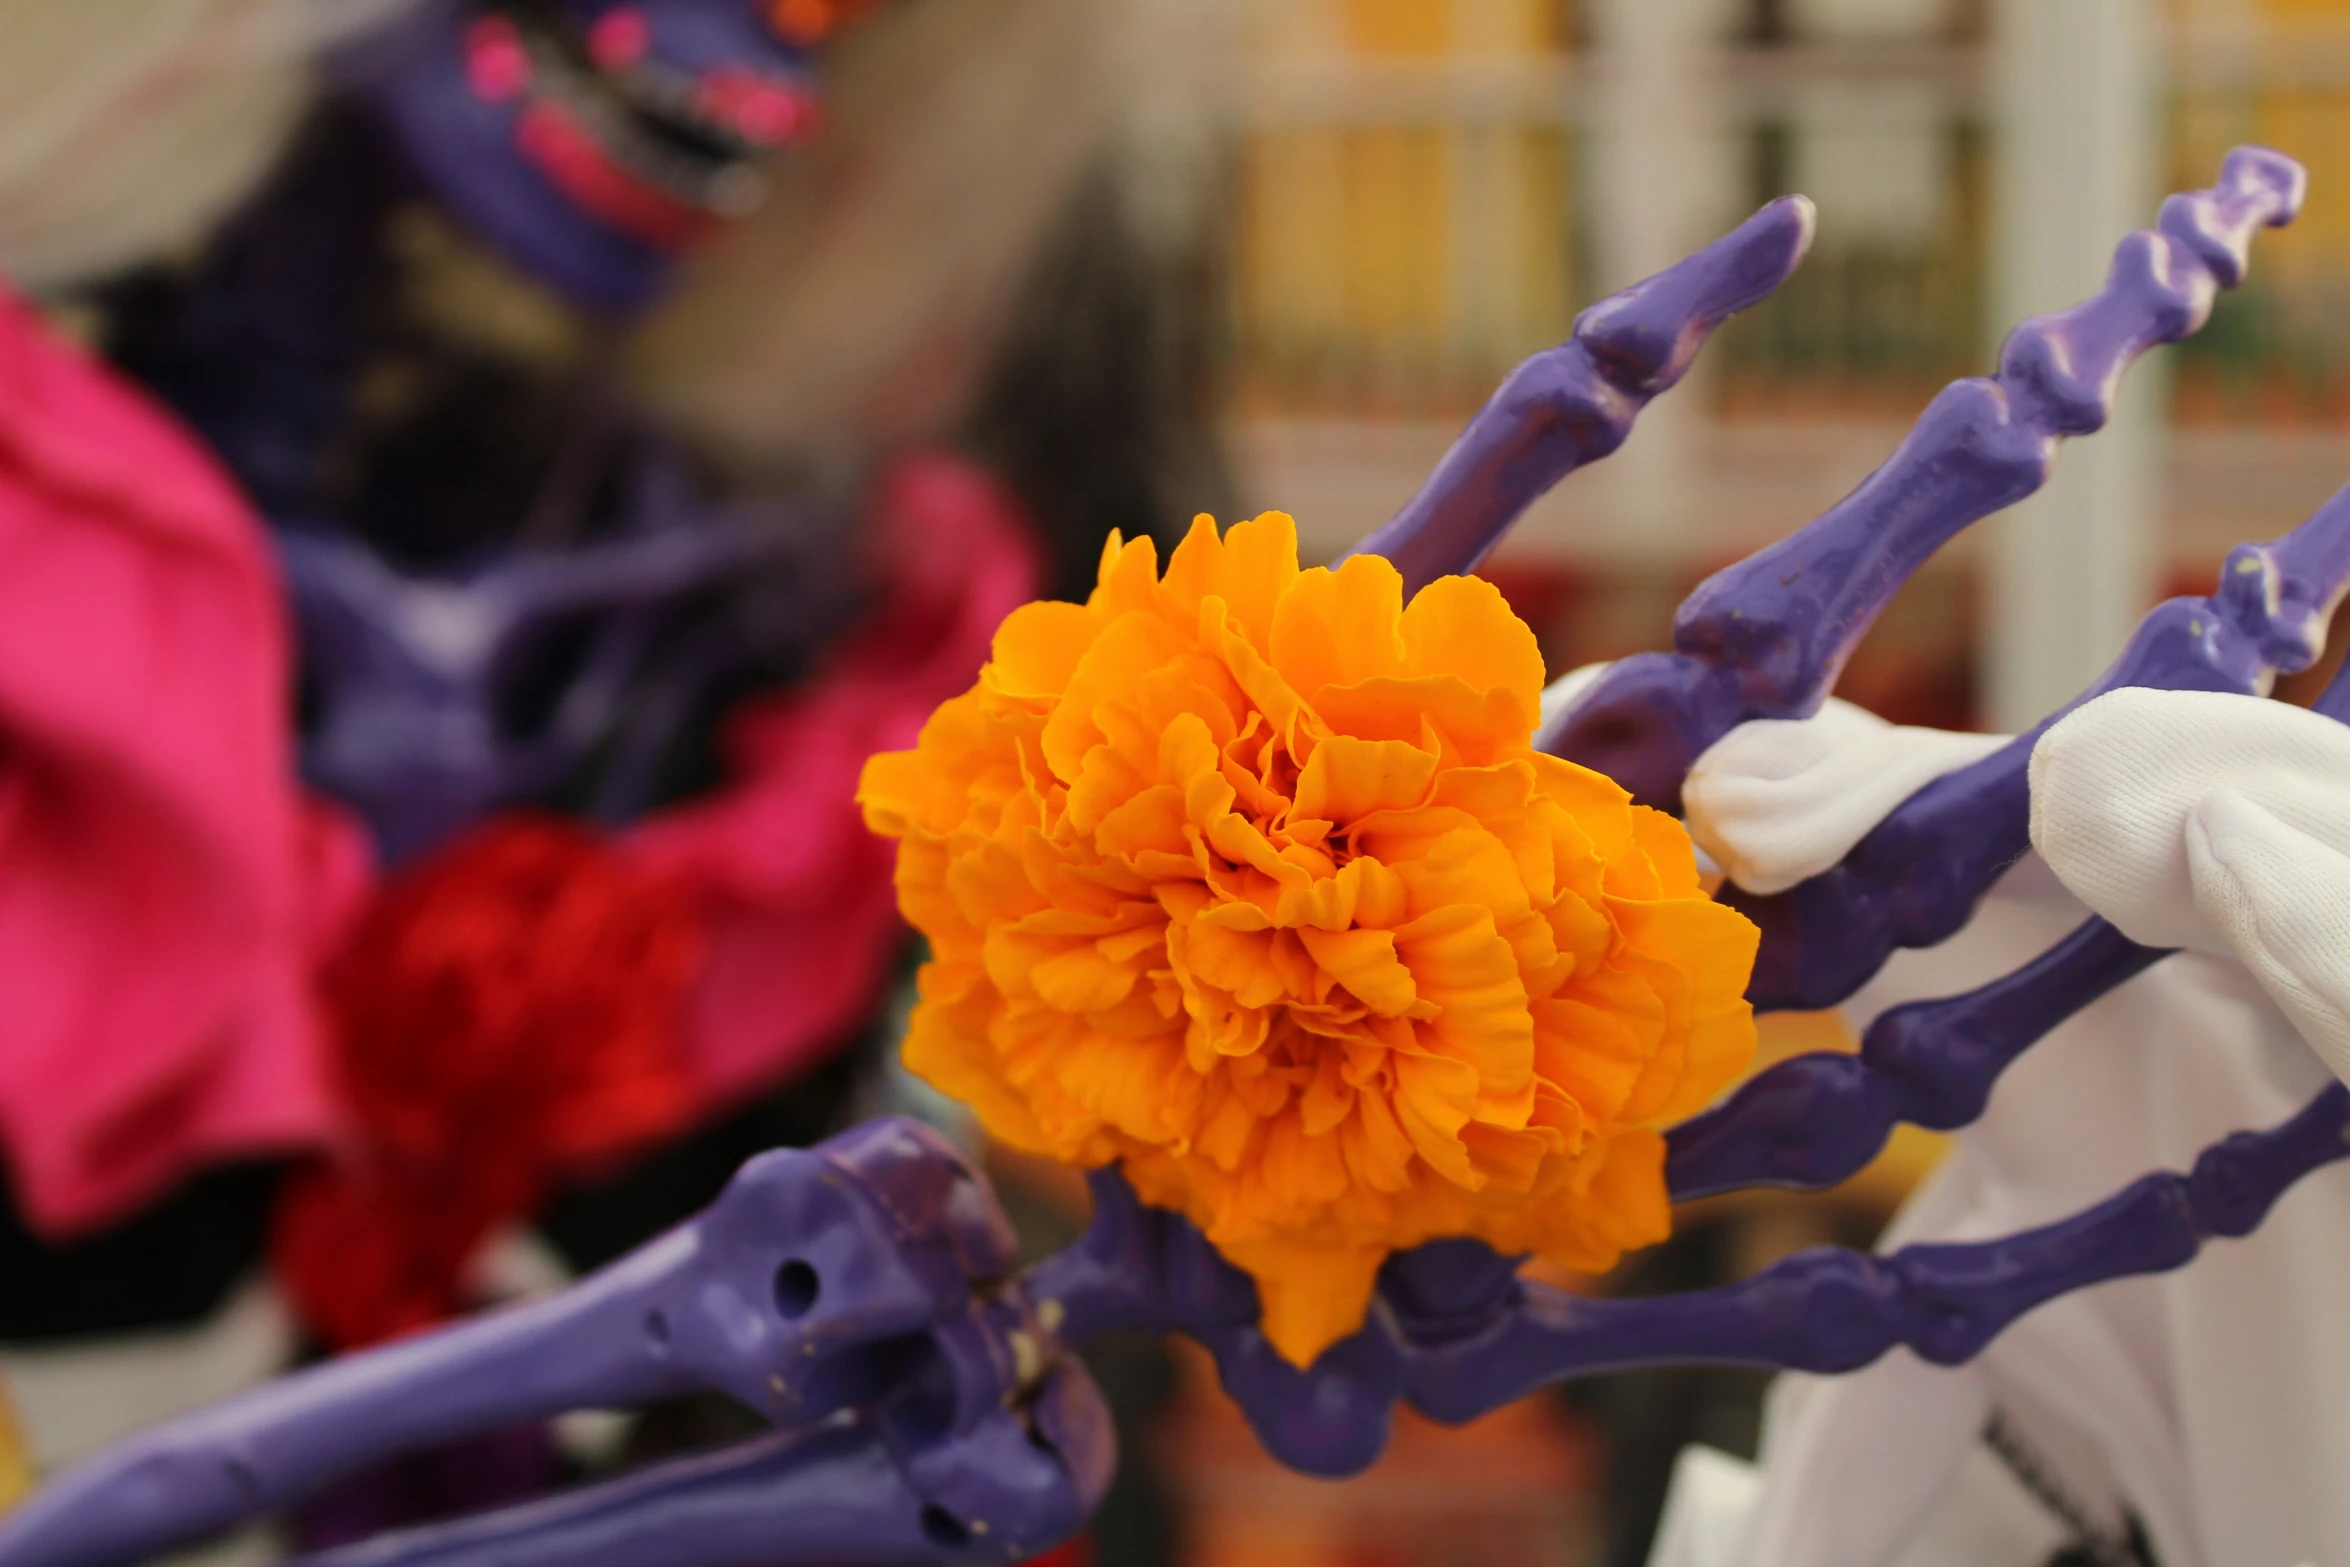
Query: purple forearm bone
point(970, 1426)
point(1765, 638)
point(410, 670)
point(826, 1285)
point(844, 1494)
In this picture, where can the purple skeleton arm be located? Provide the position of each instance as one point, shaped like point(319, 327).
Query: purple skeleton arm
point(861, 1294)
point(409, 671)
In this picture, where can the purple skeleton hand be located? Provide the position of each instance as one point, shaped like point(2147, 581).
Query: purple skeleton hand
point(1766, 638)
point(861, 1296)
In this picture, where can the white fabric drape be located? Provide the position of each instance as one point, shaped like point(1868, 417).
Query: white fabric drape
point(2210, 1397)
point(1778, 801)
point(2214, 822)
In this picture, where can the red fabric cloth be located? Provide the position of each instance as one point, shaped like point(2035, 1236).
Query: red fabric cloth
point(504, 1014)
point(153, 848)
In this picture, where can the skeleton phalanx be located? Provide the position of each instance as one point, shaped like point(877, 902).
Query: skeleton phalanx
point(862, 1294)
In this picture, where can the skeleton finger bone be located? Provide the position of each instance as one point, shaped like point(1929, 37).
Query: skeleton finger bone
point(1832, 1310)
point(1815, 1120)
point(1144, 1269)
point(1576, 403)
point(1455, 1332)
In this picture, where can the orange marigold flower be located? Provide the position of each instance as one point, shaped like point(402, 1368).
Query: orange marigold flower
point(1251, 879)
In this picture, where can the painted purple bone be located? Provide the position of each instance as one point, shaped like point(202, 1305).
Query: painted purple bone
point(846, 1493)
point(828, 1281)
point(980, 1441)
point(411, 670)
point(1832, 1310)
point(1455, 1332)
point(1811, 1121)
point(1576, 403)
point(1765, 638)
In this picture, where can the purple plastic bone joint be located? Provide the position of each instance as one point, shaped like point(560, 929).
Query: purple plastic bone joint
point(1812, 1121)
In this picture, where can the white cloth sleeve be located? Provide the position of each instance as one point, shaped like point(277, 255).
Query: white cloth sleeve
point(1777, 801)
point(1709, 1506)
point(2214, 822)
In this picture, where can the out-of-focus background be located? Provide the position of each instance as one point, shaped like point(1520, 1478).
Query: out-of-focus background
point(1152, 257)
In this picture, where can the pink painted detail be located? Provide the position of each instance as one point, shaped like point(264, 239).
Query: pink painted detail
point(619, 38)
point(497, 63)
point(568, 156)
point(164, 887)
point(759, 109)
point(802, 915)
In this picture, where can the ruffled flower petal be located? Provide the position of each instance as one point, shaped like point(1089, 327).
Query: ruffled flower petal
point(1249, 878)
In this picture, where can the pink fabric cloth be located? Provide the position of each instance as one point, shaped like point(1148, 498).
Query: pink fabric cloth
point(166, 891)
point(158, 870)
point(802, 909)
